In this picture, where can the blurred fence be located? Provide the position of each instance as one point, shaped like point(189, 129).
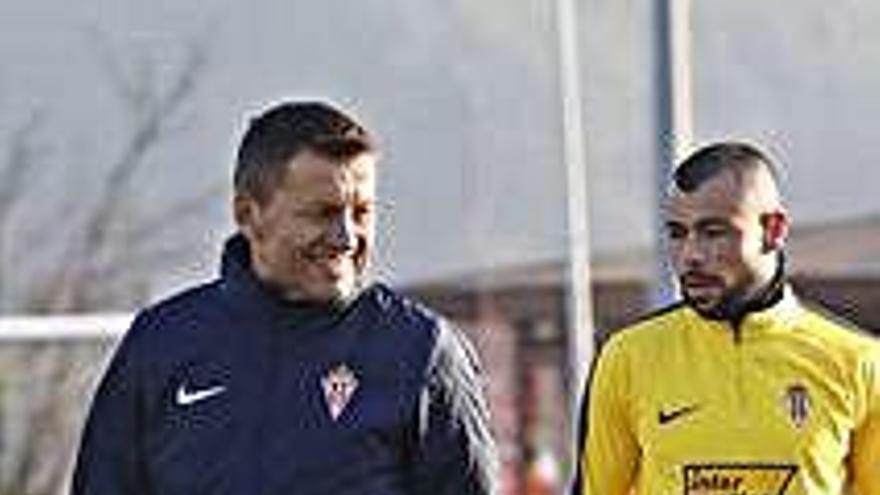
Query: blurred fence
point(48, 368)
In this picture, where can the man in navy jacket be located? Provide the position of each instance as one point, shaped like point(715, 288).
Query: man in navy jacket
point(290, 374)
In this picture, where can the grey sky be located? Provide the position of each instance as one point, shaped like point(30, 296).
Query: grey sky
point(464, 95)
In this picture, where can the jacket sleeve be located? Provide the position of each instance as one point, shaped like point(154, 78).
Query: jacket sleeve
point(109, 459)
point(865, 454)
point(608, 450)
point(455, 452)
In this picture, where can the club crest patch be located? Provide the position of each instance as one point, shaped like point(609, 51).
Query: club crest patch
point(339, 385)
point(797, 404)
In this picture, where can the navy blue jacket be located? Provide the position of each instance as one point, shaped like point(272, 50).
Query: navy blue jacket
point(226, 389)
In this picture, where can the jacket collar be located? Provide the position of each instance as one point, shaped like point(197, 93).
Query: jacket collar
point(247, 293)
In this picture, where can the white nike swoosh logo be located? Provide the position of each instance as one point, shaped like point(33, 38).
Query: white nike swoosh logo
point(186, 398)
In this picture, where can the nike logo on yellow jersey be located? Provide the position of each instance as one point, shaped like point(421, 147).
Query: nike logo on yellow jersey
point(664, 417)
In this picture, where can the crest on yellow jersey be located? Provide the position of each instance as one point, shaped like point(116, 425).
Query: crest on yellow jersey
point(797, 404)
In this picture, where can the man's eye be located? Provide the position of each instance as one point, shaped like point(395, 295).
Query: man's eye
point(675, 233)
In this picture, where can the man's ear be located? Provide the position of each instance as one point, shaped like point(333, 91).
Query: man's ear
point(775, 225)
point(245, 210)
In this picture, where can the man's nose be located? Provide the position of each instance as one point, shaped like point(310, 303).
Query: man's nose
point(342, 235)
point(693, 252)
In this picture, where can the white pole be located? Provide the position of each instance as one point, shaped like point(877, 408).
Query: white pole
point(63, 327)
point(681, 35)
point(580, 310)
point(674, 119)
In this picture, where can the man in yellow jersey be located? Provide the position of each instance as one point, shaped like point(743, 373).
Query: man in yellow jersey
point(739, 389)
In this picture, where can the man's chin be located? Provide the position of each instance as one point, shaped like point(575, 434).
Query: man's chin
point(341, 291)
point(328, 293)
point(708, 307)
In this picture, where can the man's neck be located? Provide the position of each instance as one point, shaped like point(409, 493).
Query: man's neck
point(735, 308)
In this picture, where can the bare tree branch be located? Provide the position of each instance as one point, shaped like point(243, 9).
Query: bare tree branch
point(106, 262)
point(18, 163)
point(154, 111)
point(18, 167)
point(175, 213)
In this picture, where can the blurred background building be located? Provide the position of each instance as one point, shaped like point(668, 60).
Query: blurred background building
point(118, 122)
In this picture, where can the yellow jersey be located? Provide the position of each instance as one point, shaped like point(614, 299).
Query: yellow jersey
point(789, 404)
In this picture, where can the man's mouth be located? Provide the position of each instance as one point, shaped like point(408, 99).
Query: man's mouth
point(700, 281)
point(333, 263)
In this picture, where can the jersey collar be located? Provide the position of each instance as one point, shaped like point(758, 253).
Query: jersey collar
point(779, 316)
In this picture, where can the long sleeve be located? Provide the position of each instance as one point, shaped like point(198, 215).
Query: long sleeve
point(455, 452)
point(609, 453)
point(109, 462)
point(865, 454)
